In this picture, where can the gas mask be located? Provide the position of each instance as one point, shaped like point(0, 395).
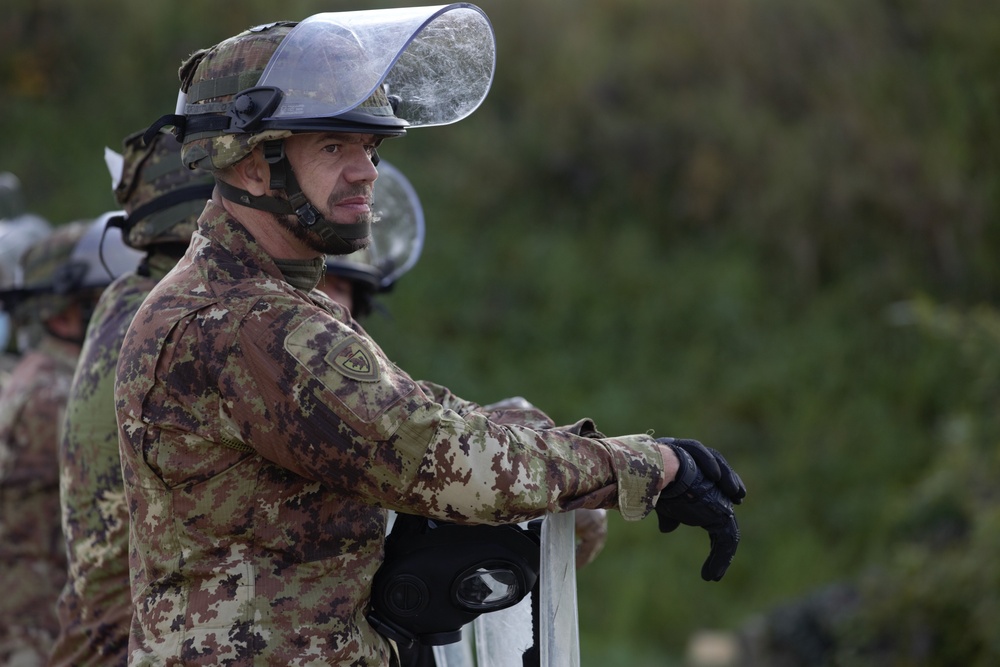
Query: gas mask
point(438, 577)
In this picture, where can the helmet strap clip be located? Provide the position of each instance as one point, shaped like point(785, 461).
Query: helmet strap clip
point(274, 155)
point(251, 106)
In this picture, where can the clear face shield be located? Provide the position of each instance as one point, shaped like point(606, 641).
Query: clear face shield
point(398, 231)
point(437, 64)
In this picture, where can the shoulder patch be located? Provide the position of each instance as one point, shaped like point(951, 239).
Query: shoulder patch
point(352, 358)
point(363, 384)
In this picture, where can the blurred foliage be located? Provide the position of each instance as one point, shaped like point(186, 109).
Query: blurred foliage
point(766, 225)
point(931, 599)
point(934, 600)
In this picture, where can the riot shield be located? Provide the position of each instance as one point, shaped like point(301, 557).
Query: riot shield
point(503, 637)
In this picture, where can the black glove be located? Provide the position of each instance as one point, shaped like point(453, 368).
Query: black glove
point(702, 494)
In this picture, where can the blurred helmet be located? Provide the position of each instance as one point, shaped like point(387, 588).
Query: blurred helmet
point(11, 199)
point(16, 236)
point(18, 231)
point(397, 241)
point(77, 260)
point(374, 72)
point(161, 198)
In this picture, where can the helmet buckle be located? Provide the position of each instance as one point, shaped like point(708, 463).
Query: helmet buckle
point(307, 214)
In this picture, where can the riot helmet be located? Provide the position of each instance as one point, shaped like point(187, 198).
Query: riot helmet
point(72, 264)
point(19, 230)
point(161, 198)
point(16, 236)
point(396, 243)
point(375, 72)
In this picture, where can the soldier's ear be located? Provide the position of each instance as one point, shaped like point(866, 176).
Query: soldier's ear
point(253, 173)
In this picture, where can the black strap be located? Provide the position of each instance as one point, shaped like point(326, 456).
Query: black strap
point(226, 85)
point(261, 202)
point(179, 196)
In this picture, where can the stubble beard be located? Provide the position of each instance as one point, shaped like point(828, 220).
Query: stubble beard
point(316, 242)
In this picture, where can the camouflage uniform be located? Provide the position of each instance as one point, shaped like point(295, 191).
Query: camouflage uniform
point(263, 436)
point(162, 200)
point(32, 553)
point(95, 607)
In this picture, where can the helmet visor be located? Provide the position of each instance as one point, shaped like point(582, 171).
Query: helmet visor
point(398, 232)
point(100, 255)
point(439, 61)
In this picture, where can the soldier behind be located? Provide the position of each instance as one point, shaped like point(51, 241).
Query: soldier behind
point(263, 433)
point(60, 280)
point(18, 230)
point(161, 200)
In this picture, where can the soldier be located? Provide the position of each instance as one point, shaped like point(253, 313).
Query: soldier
point(161, 201)
point(59, 281)
point(263, 433)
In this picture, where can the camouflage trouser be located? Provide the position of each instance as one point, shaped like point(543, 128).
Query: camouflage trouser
point(28, 622)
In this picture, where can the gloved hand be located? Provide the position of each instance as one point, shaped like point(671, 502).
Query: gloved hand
point(703, 494)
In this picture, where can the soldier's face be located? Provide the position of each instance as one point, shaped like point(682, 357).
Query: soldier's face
point(336, 173)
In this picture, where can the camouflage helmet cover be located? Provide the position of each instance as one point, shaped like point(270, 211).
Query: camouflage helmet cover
point(42, 261)
point(161, 198)
point(39, 267)
point(242, 57)
point(76, 259)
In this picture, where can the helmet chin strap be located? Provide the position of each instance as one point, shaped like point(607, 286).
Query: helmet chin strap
point(338, 237)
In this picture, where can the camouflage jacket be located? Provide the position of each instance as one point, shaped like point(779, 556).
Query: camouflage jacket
point(95, 607)
point(32, 552)
point(263, 437)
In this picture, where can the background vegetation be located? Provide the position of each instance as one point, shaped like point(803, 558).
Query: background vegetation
point(767, 225)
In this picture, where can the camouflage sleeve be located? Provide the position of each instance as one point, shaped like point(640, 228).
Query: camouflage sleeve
point(447, 399)
point(513, 410)
point(346, 416)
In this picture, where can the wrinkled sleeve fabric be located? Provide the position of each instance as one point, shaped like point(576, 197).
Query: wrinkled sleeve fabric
point(447, 399)
point(344, 415)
